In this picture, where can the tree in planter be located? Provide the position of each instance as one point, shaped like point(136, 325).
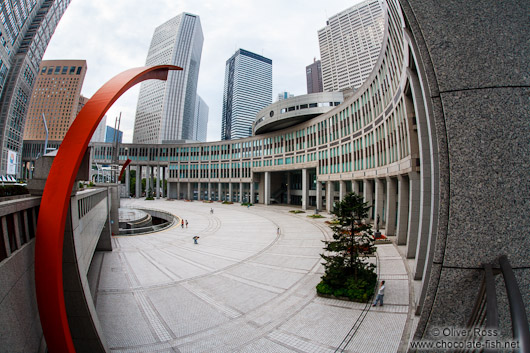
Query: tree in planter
point(346, 271)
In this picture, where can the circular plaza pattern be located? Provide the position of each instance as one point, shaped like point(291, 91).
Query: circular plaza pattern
point(245, 287)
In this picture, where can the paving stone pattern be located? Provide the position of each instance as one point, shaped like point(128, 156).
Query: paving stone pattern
point(243, 288)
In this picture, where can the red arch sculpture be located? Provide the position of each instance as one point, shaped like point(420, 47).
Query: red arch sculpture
point(56, 199)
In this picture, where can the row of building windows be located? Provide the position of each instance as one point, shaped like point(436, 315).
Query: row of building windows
point(61, 70)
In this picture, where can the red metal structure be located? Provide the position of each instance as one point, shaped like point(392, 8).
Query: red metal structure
point(123, 168)
point(56, 199)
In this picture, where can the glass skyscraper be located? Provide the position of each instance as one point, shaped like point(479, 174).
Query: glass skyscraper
point(26, 27)
point(166, 109)
point(350, 45)
point(247, 90)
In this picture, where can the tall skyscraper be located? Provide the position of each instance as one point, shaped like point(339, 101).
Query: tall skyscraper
point(313, 74)
point(101, 130)
point(56, 94)
point(166, 109)
point(201, 119)
point(284, 95)
point(247, 89)
point(350, 45)
point(25, 31)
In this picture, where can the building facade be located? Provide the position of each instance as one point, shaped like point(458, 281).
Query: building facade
point(313, 74)
point(284, 95)
point(200, 130)
point(111, 134)
point(166, 109)
point(99, 134)
point(247, 89)
point(350, 45)
point(55, 96)
point(26, 28)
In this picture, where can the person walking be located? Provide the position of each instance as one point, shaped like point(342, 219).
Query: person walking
point(182, 224)
point(186, 223)
point(380, 294)
point(211, 210)
point(195, 239)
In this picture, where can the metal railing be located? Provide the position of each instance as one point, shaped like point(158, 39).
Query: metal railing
point(18, 222)
point(485, 313)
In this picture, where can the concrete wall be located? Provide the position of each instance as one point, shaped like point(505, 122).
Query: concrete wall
point(473, 62)
point(20, 328)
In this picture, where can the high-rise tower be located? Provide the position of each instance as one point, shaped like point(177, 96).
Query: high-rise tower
point(313, 74)
point(26, 28)
point(56, 95)
point(201, 120)
point(247, 89)
point(350, 45)
point(166, 109)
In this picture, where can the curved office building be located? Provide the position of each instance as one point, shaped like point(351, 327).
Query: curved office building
point(436, 140)
point(295, 110)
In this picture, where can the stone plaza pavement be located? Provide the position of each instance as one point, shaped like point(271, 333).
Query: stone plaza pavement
point(244, 288)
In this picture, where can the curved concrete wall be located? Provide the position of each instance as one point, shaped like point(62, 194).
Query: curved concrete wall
point(473, 61)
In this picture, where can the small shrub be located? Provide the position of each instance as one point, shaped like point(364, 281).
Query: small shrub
point(150, 198)
point(247, 204)
point(296, 211)
point(316, 216)
point(324, 288)
point(11, 190)
point(81, 186)
point(228, 203)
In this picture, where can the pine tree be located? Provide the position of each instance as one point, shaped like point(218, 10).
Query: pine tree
point(346, 271)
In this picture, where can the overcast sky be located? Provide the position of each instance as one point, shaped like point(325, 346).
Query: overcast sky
point(113, 36)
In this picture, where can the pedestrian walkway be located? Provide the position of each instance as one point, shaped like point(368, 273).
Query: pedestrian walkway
point(245, 287)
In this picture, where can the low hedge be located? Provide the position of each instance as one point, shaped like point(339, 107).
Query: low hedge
point(11, 190)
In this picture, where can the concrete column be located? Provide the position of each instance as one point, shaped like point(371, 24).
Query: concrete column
point(230, 192)
point(319, 195)
point(330, 190)
point(403, 210)
point(158, 182)
point(209, 191)
point(414, 213)
point(342, 190)
point(241, 198)
point(288, 188)
point(368, 196)
point(251, 197)
point(178, 190)
point(261, 189)
point(189, 195)
point(355, 186)
point(379, 201)
point(128, 180)
point(147, 180)
point(305, 188)
point(138, 186)
point(199, 197)
point(164, 178)
point(168, 190)
point(219, 189)
point(390, 221)
point(424, 228)
point(267, 188)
